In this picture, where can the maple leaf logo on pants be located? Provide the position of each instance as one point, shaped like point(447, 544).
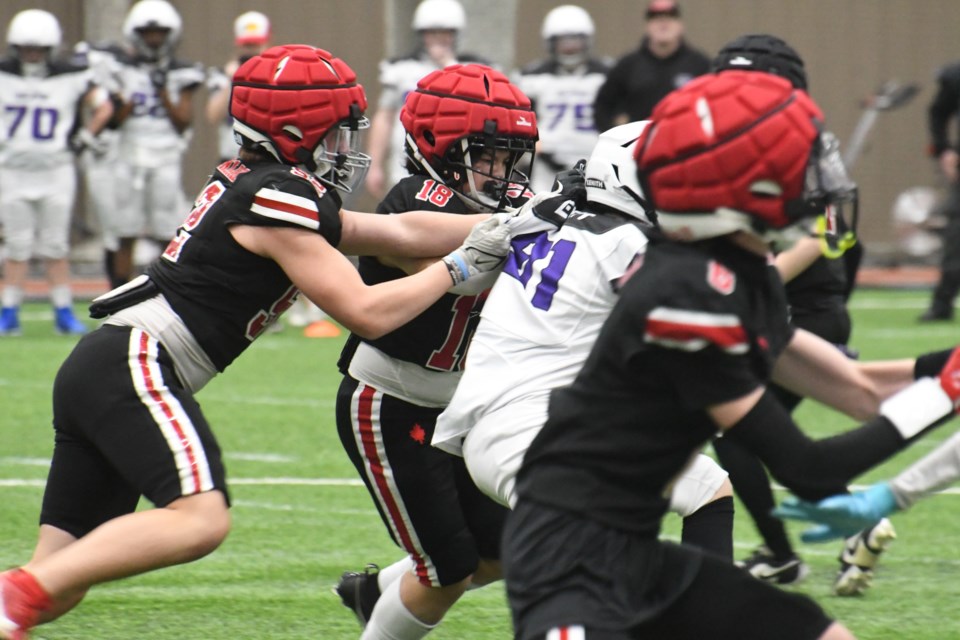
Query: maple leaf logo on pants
point(417, 434)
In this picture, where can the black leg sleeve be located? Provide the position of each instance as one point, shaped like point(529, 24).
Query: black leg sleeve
point(751, 484)
point(813, 469)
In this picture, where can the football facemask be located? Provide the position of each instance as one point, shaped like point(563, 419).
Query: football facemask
point(830, 195)
point(339, 161)
point(497, 165)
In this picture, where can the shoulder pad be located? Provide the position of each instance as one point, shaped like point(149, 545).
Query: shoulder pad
point(949, 73)
point(125, 57)
point(694, 305)
point(538, 66)
point(278, 193)
point(62, 67)
point(599, 65)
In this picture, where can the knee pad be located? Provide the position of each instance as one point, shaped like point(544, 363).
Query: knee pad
point(696, 487)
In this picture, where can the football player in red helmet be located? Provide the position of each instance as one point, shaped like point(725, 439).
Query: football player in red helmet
point(471, 129)
point(468, 129)
point(700, 329)
point(267, 226)
point(817, 285)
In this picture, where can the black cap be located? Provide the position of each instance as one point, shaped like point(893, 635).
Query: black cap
point(762, 52)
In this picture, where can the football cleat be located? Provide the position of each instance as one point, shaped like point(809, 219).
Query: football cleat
point(66, 323)
point(763, 565)
point(9, 321)
point(859, 558)
point(359, 592)
point(22, 600)
point(936, 314)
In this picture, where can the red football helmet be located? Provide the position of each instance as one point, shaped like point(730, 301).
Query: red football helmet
point(739, 150)
point(304, 107)
point(460, 114)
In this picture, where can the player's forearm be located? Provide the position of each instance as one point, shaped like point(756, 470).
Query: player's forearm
point(798, 258)
point(813, 368)
point(415, 234)
point(934, 471)
point(100, 117)
point(376, 310)
point(217, 104)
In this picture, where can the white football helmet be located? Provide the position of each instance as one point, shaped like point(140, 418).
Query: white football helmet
point(157, 14)
point(567, 20)
point(34, 28)
point(439, 14)
point(611, 173)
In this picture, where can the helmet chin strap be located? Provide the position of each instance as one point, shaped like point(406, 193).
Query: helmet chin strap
point(305, 157)
point(412, 145)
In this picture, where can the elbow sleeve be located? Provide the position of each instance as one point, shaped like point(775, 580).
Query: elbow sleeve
point(813, 469)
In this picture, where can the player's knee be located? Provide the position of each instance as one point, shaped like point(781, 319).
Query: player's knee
point(725, 490)
point(837, 631)
point(488, 571)
point(204, 522)
point(453, 562)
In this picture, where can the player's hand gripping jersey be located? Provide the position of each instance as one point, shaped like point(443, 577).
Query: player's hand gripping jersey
point(437, 339)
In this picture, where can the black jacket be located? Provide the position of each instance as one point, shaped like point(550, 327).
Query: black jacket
point(945, 105)
point(640, 79)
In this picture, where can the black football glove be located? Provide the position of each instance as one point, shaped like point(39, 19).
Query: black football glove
point(569, 193)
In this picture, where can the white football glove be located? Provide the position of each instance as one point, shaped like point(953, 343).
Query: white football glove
point(483, 250)
point(84, 139)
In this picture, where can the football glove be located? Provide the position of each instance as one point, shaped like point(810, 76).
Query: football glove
point(84, 139)
point(569, 192)
point(840, 516)
point(484, 250)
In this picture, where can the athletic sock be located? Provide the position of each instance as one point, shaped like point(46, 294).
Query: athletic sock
point(391, 620)
point(389, 575)
point(61, 297)
point(12, 296)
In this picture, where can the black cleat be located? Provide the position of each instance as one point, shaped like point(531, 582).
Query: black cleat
point(934, 314)
point(763, 565)
point(359, 592)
